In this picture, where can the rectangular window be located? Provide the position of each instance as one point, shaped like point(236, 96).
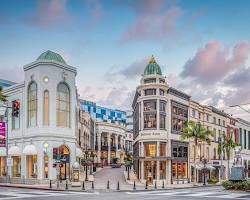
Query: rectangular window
point(150, 120)
point(179, 117)
point(150, 80)
point(150, 92)
point(223, 122)
point(249, 142)
point(161, 92)
point(16, 168)
point(241, 137)
point(162, 106)
point(150, 105)
point(162, 81)
point(219, 122)
point(162, 121)
point(162, 149)
point(214, 120)
point(150, 149)
point(207, 118)
point(193, 113)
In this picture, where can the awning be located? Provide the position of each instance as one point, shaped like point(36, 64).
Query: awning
point(2, 151)
point(30, 150)
point(79, 152)
point(14, 151)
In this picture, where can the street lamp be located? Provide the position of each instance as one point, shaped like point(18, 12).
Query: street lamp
point(204, 169)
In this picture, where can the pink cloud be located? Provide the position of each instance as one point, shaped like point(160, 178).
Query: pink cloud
point(154, 20)
point(49, 13)
point(213, 62)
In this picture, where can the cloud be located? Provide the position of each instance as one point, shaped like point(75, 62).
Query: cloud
point(212, 62)
point(49, 13)
point(94, 7)
point(14, 74)
point(154, 20)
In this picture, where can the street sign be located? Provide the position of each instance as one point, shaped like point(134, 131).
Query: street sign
point(9, 162)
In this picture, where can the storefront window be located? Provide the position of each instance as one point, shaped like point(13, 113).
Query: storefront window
point(2, 166)
point(150, 170)
point(150, 105)
point(150, 120)
point(179, 116)
point(162, 121)
point(179, 170)
point(162, 169)
point(46, 166)
point(162, 149)
point(32, 166)
point(16, 168)
point(150, 149)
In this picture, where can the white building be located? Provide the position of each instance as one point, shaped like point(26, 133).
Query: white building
point(46, 125)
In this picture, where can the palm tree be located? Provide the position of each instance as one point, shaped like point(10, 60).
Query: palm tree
point(227, 145)
point(198, 133)
point(2, 96)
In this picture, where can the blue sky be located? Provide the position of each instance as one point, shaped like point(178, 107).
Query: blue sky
point(110, 40)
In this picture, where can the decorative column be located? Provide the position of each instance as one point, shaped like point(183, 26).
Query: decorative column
point(116, 146)
point(109, 148)
point(99, 135)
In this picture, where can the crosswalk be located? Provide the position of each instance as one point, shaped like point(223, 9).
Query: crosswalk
point(18, 194)
point(190, 193)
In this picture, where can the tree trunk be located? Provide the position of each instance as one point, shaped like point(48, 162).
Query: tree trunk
point(228, 163)
point(195, 171)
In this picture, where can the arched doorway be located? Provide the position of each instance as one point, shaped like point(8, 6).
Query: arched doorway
point(65, 162)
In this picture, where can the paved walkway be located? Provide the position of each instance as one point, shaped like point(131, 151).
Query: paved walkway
point(113, 175)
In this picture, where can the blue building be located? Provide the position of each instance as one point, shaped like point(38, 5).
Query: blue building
point(5, 83)
point(103, 114)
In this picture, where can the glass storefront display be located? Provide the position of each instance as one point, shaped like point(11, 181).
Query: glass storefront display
point(150, 149)
point(2, 166)
point(46, 166)
point(162, 149)
point(162, 169)
point(31, 166)
point(150, 170)
point(16, 168)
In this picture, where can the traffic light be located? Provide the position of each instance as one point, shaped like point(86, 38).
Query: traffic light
point(15, 108)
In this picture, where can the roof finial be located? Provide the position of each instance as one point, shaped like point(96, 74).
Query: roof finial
point(152, 59)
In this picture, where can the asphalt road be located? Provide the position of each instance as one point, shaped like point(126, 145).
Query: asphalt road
point(210, 193)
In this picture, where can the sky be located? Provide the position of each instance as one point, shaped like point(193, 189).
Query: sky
point(201, 46)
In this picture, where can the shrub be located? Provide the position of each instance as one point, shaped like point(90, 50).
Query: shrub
point(213, 180)
point(236, 185)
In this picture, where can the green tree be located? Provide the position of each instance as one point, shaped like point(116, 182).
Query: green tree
point(227, 145)
point(199, 134)
point(2, 96)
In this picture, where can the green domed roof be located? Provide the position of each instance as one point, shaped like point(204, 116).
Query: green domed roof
point(51, 56)
point(152, 68)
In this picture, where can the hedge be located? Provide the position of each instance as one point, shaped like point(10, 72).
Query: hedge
point(236, 185)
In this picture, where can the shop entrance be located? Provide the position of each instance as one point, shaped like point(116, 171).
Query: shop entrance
point(150, 171)
point(65, 163)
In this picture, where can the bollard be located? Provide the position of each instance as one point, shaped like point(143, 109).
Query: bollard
point(163, 185)
point(108, 185)
point(83, 186)
point(146, 186)
point(50, 184)
point(134, 188)
point(155, 185)
point(118, 186)
point(93, 187)
point(66, 187)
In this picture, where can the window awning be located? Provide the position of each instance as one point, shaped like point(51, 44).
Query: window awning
point(14, 151)
point(30, 150)
point(2, 151)
point(79, 152)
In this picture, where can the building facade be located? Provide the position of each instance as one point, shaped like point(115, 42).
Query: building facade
point(46, 125)
point(158, 119)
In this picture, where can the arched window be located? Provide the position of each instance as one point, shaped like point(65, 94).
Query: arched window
point(46, 108)
point(63, 105)
point(32, 104)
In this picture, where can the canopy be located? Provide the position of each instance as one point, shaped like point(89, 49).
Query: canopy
point(14, 151)
point(79, 152)
point(30, 150)
point(2, 151)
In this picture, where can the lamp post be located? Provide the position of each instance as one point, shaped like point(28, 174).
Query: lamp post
point(221, 157)
point(205, 169)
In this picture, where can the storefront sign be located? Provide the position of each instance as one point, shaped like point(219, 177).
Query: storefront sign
point(2, 134)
